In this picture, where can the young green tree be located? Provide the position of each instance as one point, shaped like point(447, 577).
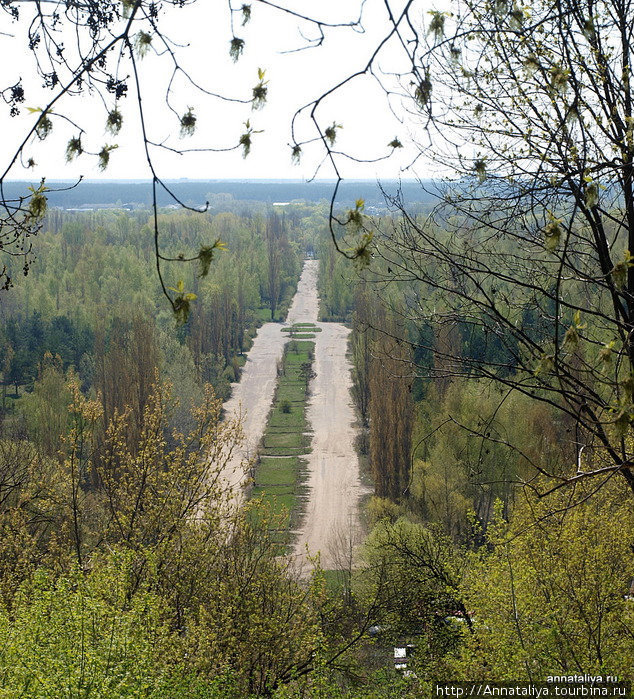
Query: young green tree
point(549, 592)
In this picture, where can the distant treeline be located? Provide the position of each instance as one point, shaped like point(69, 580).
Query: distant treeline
point(197, 192)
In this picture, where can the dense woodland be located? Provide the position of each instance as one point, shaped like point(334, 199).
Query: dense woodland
point(123, 570)
point(491, 349)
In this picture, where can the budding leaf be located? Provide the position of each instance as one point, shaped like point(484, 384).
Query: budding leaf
point(104, 156)
point(437, 24)
point(331, 133)
point(236, 48)
point(552, 234)
point(114, 121)
point(188, 123)
point(73, 148)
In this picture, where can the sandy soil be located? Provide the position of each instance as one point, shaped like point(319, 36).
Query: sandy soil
point(331, 524)
point(252, 397)
point(305, 305)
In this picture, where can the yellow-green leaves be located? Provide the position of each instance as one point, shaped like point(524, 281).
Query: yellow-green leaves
point(188, 123)
point(437, 24)
point(559, 78)
point(206, 255)
point(38, 201)
point(552, 234)
point(362, 251)
point(104, 156)
point(246, 14)
point(591, 195)
point(546, 364)
point(44, 125)
point(114, 121)
point(259, 91)
point(531, 63)
point(572, 336)
point(619, 271)
point(331, 133)
point(181, 302)
point(624, 411)
point(73, 148)
point(355, 216)
point(605, 354)
point(245, 140)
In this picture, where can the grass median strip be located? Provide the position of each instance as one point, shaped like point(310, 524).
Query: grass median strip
point(278, 474)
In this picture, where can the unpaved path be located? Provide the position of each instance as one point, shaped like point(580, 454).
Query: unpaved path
point(331, 524)
point(252, 397)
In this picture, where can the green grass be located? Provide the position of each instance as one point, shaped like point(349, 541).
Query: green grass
point(335, 580)
point(299, 347)
point(296, 394)
point(277, 480)
point(284, 439)
point(273, 471)
point(294, 421)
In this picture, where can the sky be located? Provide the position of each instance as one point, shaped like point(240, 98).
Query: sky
point(201, 34)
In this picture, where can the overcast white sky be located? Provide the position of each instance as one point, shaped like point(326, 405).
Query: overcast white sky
point(296, 78)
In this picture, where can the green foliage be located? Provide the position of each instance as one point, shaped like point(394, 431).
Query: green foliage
point(380, 509)
point(44, 126)
point(81, 635)
point(331, 133)
point(552, 234)
point(182, 302)
point(549, 591)
point(188, 123)
point(236, 48)
point(37, 201)
point(73, 148)
point(620, 270)
point(259, 91)
point(142, 43)
point(206, 255)
point(420, 577)
point(104, 156)
point(437, 24)
point(114, 121)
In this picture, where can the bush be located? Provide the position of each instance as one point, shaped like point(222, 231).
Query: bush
point(285, 406)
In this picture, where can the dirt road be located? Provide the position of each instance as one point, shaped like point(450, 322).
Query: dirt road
point(331, 522)
point(252, 397)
